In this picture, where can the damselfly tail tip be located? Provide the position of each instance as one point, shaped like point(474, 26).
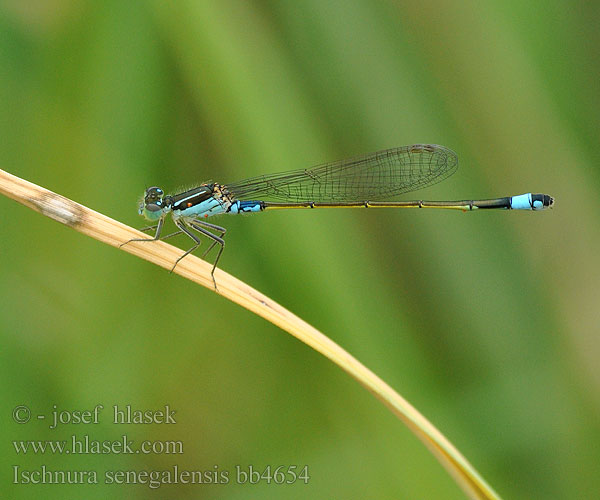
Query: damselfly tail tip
point(540, 201)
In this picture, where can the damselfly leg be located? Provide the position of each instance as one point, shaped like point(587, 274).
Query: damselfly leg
point(158, 227)
point(202, 227)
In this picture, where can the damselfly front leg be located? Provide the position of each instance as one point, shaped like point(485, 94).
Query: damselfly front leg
point(158, 227)
point(148, 228)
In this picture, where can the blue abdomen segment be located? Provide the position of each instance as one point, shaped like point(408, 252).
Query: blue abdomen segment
point(529, 201)
point(238, 207)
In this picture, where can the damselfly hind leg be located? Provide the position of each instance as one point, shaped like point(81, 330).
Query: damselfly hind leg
point(202, 228)
point(217, 240)
point(218, 229)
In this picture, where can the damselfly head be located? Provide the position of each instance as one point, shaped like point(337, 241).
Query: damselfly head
point(153, 204)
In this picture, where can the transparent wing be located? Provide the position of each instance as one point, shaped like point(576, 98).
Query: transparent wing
point(376, 176)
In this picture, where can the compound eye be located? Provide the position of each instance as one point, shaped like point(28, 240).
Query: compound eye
point(153, 194)
point(153, 207)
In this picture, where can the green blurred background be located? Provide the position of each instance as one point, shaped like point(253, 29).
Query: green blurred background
point(487, 322)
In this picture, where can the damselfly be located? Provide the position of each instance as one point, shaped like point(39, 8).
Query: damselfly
point(369, 181)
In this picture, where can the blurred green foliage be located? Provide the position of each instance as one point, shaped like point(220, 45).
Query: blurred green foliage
point(487, 322)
